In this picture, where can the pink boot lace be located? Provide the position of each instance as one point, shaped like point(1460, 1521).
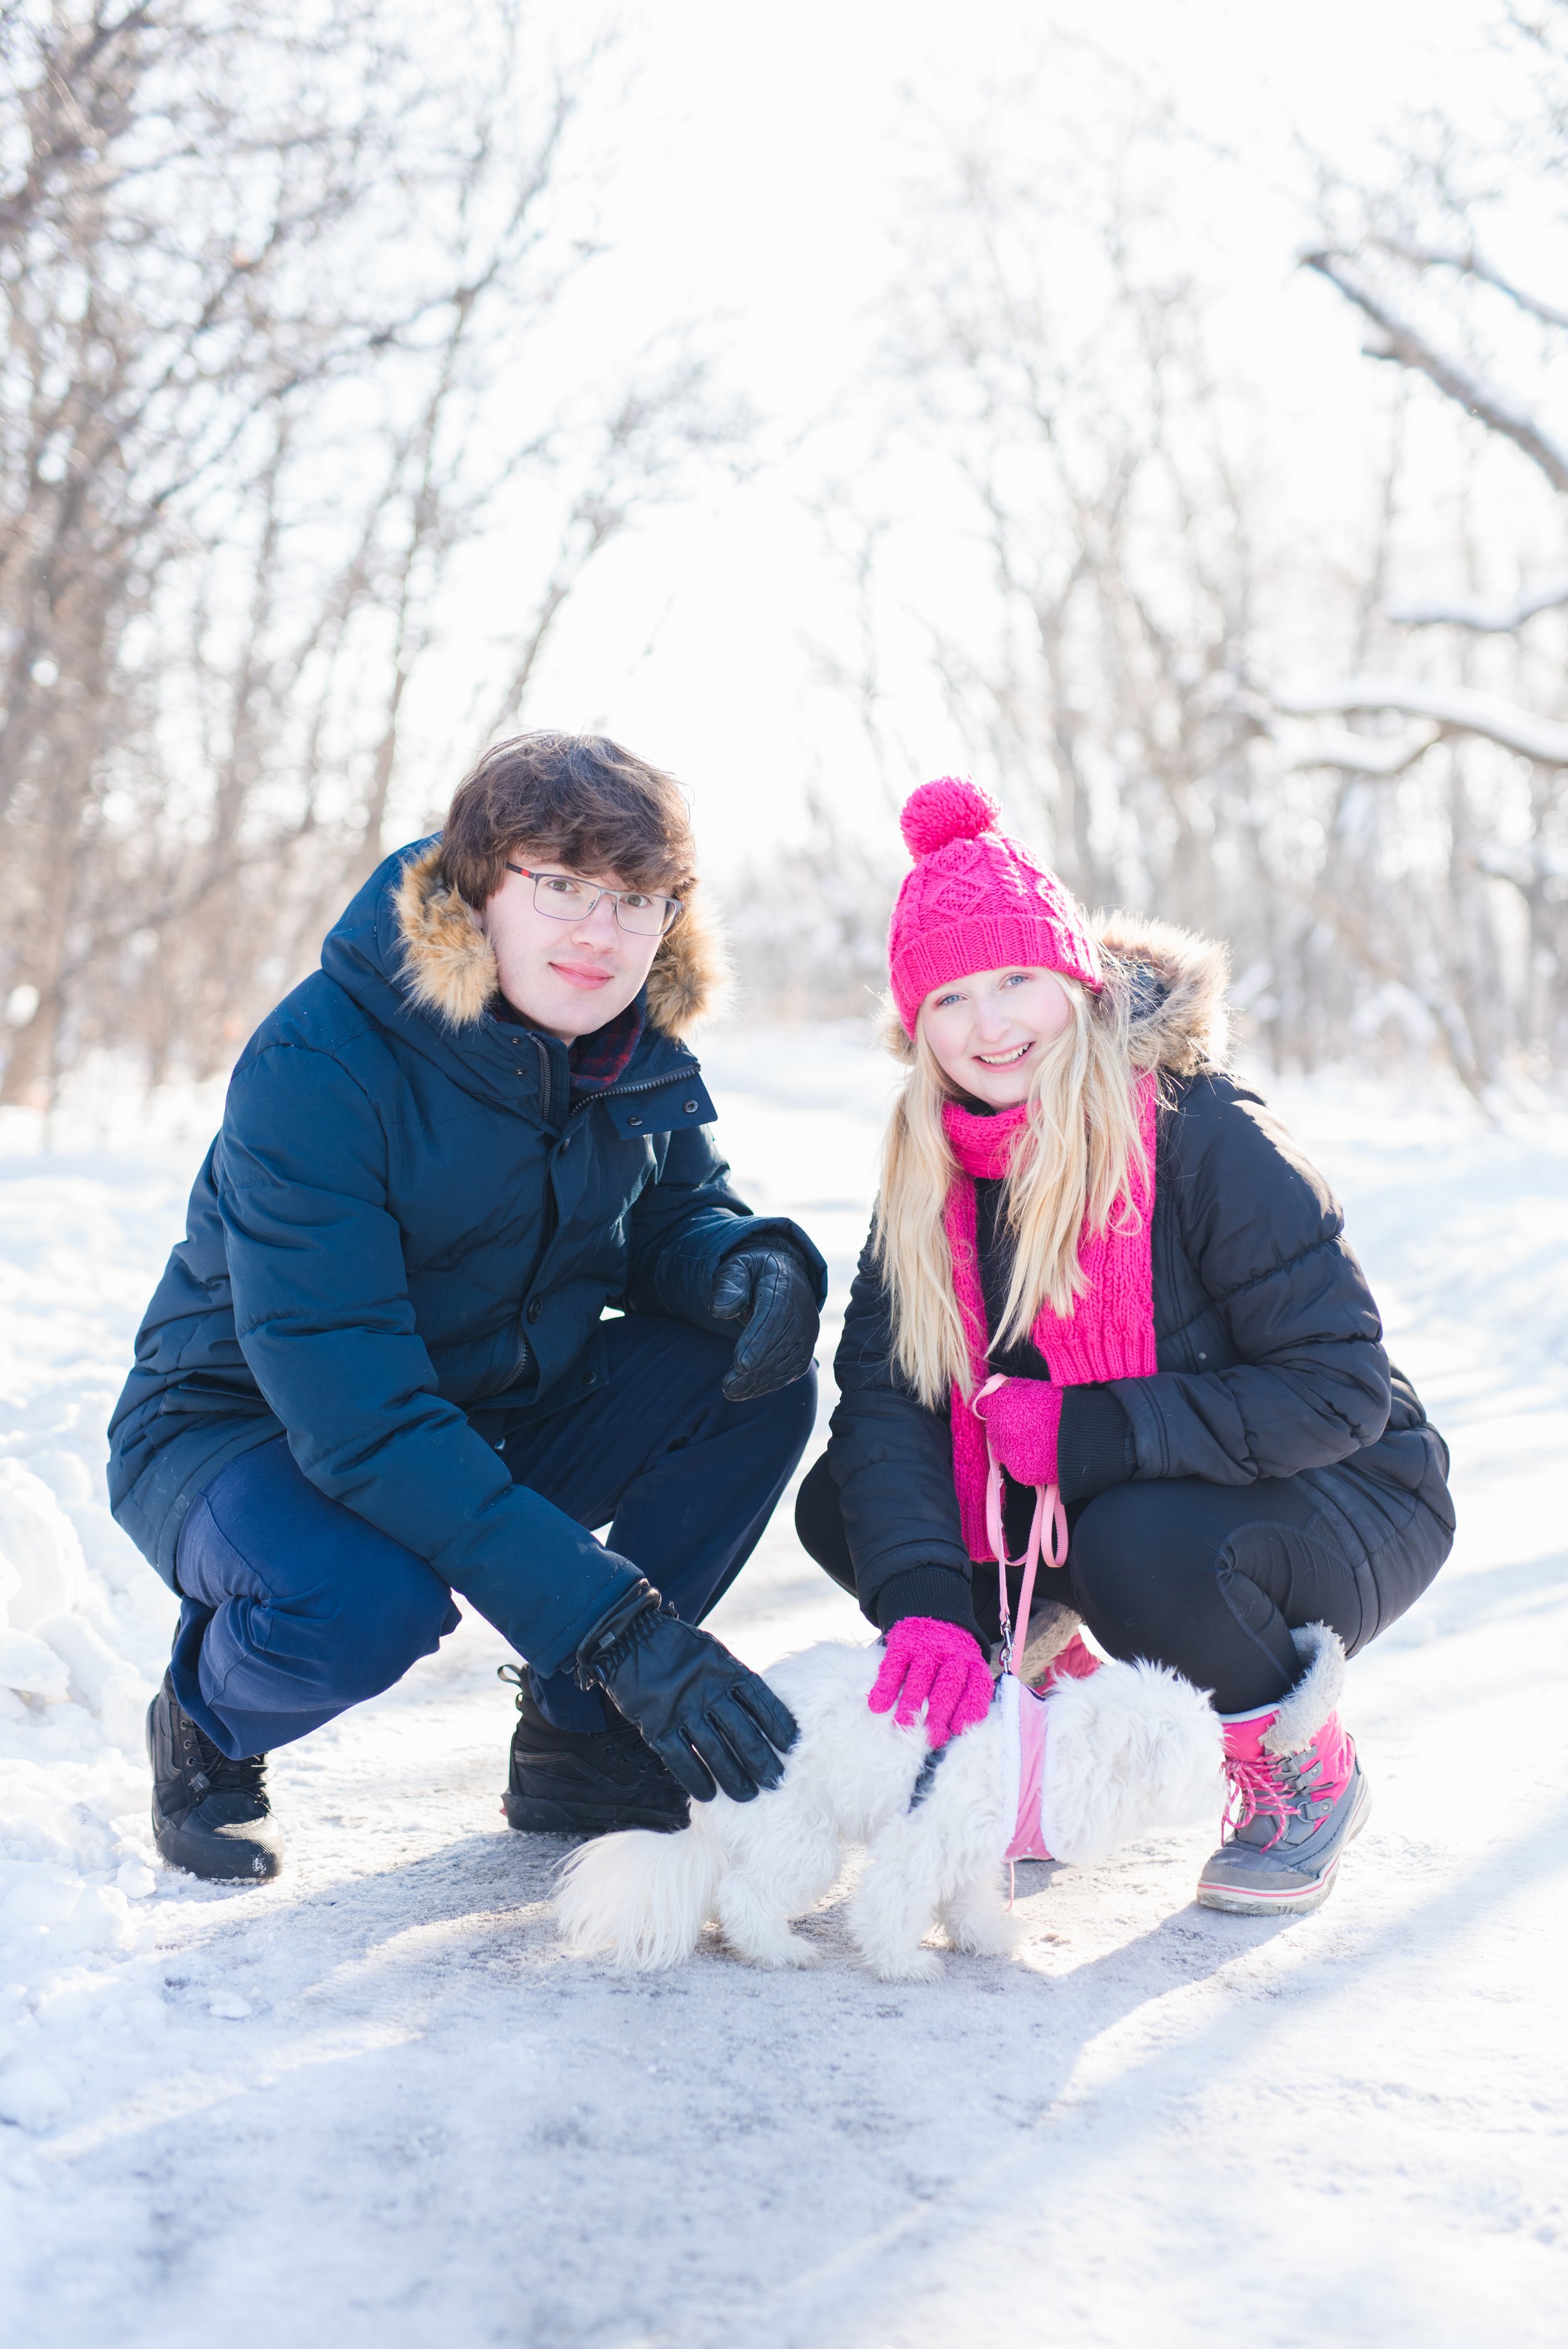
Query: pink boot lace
point(1283, 1786)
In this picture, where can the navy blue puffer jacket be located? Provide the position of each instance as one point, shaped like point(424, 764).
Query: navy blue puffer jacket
point(404, 1224)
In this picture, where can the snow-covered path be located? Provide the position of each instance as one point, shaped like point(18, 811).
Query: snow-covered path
point(376, 2104)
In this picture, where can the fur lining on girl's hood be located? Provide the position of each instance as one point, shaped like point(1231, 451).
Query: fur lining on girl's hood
point(1180, 1022)
point(449, 968)
point(1176, 983)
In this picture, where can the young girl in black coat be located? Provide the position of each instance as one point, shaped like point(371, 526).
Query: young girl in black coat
point(1102, 1284)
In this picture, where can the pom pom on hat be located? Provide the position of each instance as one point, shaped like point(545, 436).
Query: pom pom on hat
point(951, 808)
point(974, 900)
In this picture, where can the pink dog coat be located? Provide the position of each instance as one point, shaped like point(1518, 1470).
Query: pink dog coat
point(1025, 1722)
point(1023, 1768)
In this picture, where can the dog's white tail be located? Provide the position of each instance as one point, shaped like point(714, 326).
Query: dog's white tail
point(642, 1897)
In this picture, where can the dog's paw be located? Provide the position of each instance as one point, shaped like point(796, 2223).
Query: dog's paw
point(906, 1966)
point(797, 1952)
point(986, 1937)
point(788, 1953)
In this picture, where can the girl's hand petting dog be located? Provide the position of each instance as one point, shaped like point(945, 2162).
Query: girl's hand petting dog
point(936, 1664)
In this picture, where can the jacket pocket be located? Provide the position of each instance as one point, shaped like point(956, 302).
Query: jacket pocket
point(198, 1394)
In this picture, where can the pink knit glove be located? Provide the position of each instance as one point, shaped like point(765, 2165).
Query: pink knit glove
point(940, 1666)
point(1022, 1419)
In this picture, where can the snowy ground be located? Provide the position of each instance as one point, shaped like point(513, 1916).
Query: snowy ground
point(375, 2103)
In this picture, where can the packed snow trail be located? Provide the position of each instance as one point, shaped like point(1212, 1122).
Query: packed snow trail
point(375, 2102)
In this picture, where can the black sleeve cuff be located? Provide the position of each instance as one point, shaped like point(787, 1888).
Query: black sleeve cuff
point(1093, 1443)
point(934, 1590)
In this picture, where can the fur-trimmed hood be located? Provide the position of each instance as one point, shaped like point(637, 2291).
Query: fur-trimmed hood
point(448, 965)
point(1179, 1020)
point(1174, 984)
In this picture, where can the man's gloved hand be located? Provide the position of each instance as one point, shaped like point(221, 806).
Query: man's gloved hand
point(704, 1714)
point(770, 1287)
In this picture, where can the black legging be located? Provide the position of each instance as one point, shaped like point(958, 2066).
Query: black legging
point(1209, 1578)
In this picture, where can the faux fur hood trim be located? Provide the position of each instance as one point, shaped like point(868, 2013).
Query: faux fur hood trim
point(449, 967)
point(1175, 982)
point(1179, 1020)
point(1314, 1696)
point(447, 961)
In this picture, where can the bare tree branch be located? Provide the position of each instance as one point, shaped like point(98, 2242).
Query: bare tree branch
point(1402, 344)
point(1483, 619)
point(1364, 754)
point(1454, 710)
point(1467, 262)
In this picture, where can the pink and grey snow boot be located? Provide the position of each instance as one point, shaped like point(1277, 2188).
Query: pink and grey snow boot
point(1073, 1662)
point(1298, 1794)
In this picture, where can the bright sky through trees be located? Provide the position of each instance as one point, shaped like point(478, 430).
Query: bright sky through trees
point(765, 166)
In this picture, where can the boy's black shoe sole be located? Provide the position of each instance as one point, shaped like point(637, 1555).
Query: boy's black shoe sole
point(210, 1816)
point(568, 1783)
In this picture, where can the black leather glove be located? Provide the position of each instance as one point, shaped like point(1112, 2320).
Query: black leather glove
point(704, 1715)
point(771, 1287)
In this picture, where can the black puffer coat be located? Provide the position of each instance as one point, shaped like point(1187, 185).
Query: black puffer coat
point(1267, 1338)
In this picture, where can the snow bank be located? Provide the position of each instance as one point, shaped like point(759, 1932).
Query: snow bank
point(81, 1649)
point(84, 1626)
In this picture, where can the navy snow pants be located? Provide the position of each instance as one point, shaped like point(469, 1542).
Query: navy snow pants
point(293, 1608)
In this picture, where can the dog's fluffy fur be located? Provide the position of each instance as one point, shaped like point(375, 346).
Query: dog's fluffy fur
point(1133, 1751)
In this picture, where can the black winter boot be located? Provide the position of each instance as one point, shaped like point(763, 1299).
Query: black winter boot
point(565, 1782)
point(209, 1814)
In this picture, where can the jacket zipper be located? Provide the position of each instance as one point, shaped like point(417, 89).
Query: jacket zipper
point(623, 1093)
point(612, 1093)
point(546, 1085)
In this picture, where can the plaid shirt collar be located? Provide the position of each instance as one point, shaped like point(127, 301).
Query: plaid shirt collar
point(599, 1060)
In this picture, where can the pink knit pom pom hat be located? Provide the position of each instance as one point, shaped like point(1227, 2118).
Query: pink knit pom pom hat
point(977, 901)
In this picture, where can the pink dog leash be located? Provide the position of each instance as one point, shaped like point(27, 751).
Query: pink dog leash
point(1023, 1712)
point(1047, 1501)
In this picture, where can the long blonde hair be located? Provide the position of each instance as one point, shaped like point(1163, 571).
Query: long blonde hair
point(1073, 1162)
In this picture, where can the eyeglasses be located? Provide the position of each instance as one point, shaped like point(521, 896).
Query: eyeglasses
point(564, 899)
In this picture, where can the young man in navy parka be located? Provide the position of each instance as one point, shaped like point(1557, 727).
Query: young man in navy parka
point(377, 1374)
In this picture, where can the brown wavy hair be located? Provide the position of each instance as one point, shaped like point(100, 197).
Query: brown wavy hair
point(577, 800)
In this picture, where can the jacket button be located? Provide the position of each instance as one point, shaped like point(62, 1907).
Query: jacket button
point(633, 1121)
point(590, 1378)
point(690, 1108)
point(535, 1307)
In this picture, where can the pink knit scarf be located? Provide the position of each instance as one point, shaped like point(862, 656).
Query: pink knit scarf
point(1109, 1334)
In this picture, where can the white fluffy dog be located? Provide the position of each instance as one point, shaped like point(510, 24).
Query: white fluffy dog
point(1132, 1751)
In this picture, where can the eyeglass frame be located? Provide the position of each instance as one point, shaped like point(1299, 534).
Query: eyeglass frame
point(533, 873)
